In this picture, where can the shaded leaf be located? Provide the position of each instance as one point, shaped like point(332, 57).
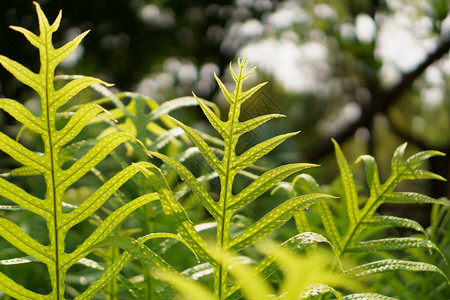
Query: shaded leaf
point(392, 265)
point(273, 220)
point(351, 197)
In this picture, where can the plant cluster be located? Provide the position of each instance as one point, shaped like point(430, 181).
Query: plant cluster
point(208, 247)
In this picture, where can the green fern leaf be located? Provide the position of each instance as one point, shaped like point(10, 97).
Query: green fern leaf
point(176, 211)
point(408, 197)
point(368, 296)
point(22, 154)
point(24, 75)
point(213, 119)
point(267, 265)
point(21, 114)
point(392, 244)
point(392, 221)
point(204, 148)
point(138, 250)
point(255, 122)
point(17, 237)
point(273, 220)
point(362, 220)
point(24, 199)
point(264, 183)
point(132, 247)
point(193, 184)
point(227, 165)
point(379, 193)
point(310, 185)
point(372, 177)
point(387, 265)
point(351, 197)
point(49, 164)
point(77, 122)
point(415, 160)
point(251, 155)
point(106, 227)
point(15, 290)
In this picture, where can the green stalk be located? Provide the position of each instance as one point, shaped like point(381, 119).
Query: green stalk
point(148, 228)
point(226, 181)
point(57, 244)
point(112, 287)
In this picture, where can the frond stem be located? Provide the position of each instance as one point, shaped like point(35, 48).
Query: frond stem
point(229, 154)
point(349, 236)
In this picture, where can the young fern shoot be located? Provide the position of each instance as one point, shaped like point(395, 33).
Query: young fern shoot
point(227, 169)
point(49, 164)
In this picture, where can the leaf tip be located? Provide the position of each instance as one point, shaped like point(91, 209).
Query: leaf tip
point(15, 28)
point(57, 21)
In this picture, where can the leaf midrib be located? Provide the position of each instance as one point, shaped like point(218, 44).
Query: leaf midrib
point(53, 166)
point(228, 149)
point(355, 228)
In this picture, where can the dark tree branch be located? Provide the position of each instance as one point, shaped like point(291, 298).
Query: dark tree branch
point(380, 102)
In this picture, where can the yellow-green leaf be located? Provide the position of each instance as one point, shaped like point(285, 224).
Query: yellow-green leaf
point(98, 198)
point(251, 124)
point(256, 152)
point(351, 197)
point(273, 220)
point(17, 237)
point(192, 182)
point(22, 154)
point(23, 115)
point(204, 148)
point(265, 182)
point(72, 88)
point(92, 158)
point(77, 122)
point(24, 199)
point(23, 74)
point(13, 289)
point(106, 227)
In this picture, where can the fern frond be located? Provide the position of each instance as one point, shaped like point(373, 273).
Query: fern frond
point(363, 222)
point(227, 165)
point(382, 193)
point(50, 164)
